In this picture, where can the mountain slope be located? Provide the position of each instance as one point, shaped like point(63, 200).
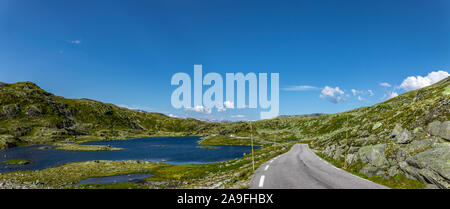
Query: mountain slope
point(29, 114)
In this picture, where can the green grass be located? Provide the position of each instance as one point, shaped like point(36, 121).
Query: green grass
point(446, 91)
point(207, 147)
point(16, 162)
point(79, 147)
point(227, 140)
point(65, 175)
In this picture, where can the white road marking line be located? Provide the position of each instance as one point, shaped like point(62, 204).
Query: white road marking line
point(267, 167)
point(271, 161)
point(261, 181)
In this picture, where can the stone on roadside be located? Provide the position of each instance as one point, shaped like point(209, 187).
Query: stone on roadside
point(373, 154)
point(371, 171)
point(393, 171)
point(351, 158)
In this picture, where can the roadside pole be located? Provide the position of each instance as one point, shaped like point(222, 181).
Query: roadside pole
point(251, 138)
point(346, 144)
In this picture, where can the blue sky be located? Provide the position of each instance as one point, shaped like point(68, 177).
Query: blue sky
point(125, 52)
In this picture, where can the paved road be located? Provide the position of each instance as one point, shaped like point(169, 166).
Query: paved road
point(300, 168)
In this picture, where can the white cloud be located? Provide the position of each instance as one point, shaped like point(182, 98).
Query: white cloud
point(392, 95)
point(385, 84)
point(173, 116)
point(238, 116)
point(356, 92)
point(417, 82)
point(300, 88)
point(360, 98)
point(76, 42)
point(200, 109)
point(135, 107)
point(389, 95)
point(229, 104)
point(334, 95)
point(370, 92)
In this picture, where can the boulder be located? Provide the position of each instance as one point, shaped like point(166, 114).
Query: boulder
point(373, 154)
point(329, 151)
point(370, 171)
point(432, 166)
point(338, 153)
point(436, 128)
point(351, 158)
point(433, 128)
point(376, 126)
point(444, 130)
point(397, 130)
point(404, 137)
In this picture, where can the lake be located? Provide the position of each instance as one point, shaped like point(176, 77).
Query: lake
point(173, 150)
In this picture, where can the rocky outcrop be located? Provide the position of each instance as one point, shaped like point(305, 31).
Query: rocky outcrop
point(440, 129)
point(432, 166)
point(11, 111)
point(6, 142)
point(33, 111)
point(397, 130)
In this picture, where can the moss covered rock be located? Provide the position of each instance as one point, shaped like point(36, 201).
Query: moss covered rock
point(373, 154)
point(404, 137)
point(431, 166)
point(440, 129)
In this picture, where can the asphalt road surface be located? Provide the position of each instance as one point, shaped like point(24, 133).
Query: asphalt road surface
point(300, 168)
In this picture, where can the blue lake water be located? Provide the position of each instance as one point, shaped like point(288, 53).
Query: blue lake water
point(173, 150)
